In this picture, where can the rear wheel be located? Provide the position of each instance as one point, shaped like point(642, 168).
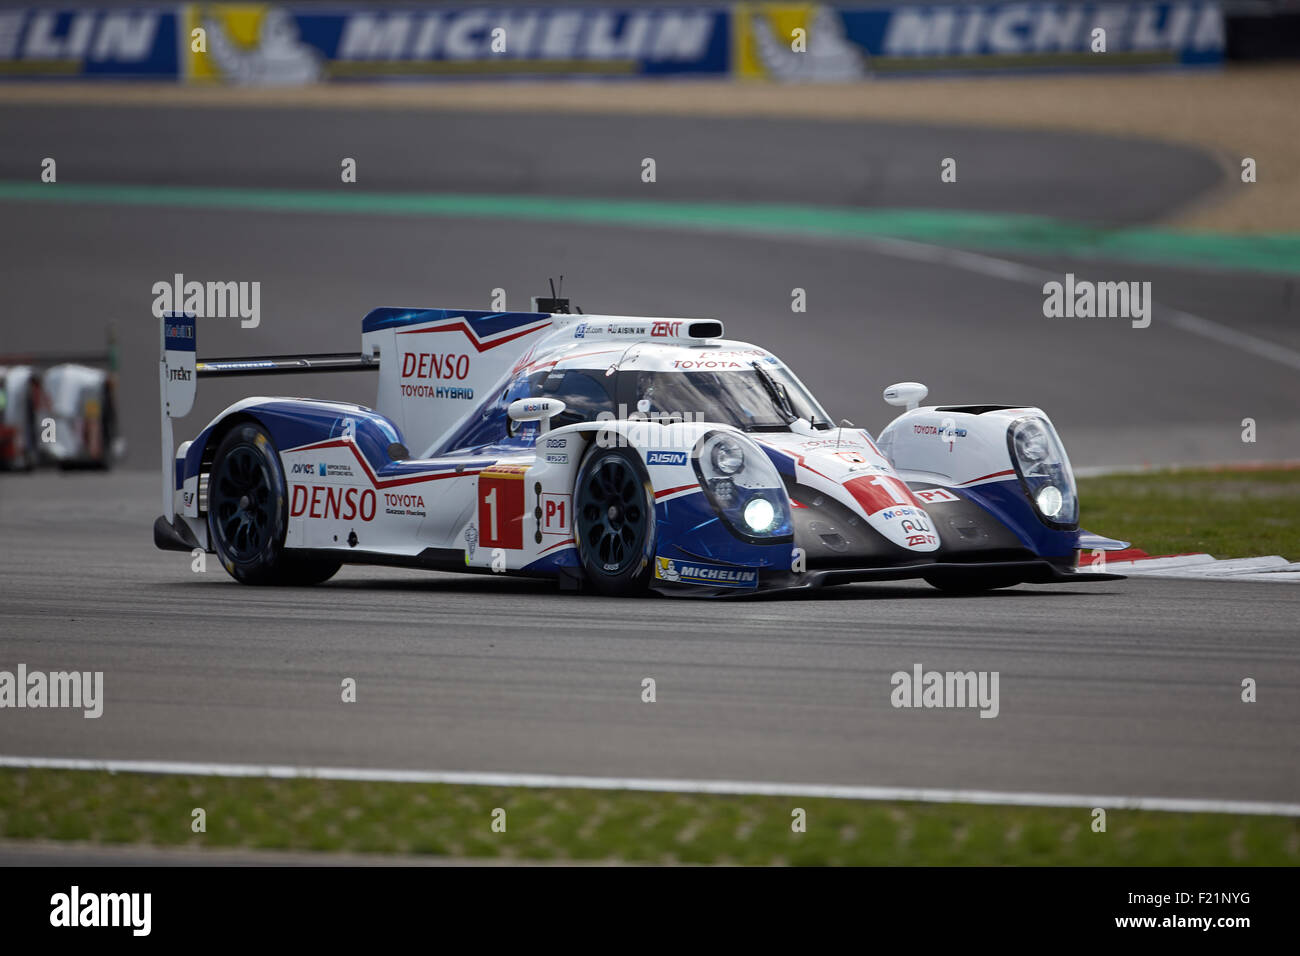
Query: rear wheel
point(615, 522)
point(248, 513)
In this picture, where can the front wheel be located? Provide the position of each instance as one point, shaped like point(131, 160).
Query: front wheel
point(972, 583)
point(615, 522)
point(248, 513)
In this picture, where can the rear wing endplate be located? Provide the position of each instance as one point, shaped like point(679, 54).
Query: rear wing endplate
point(179, 369)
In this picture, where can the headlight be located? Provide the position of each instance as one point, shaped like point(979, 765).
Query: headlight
point(1050, 501)
point(728, 457)
point(1031, 441)
point(1044, 471)
point(743, 486)
point(759, 515)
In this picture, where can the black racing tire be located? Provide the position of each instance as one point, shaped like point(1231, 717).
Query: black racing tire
point(614, 522)
point(248, 509)
point(304, 572)
point(975, 582)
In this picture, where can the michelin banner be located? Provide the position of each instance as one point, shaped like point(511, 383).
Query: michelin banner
point(94, 43)
point(270, 44)
point(283, 45)
point(823, 43)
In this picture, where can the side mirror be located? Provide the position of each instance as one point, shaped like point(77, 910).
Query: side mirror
point(535, 410)
point(906, 393)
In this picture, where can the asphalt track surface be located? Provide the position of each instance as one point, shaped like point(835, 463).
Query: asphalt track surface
point(1123, 687)
point(1129, 687)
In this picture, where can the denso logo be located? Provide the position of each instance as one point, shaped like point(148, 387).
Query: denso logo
point(341, 504)
point(666, 458)
point(435, 365)
point(663, 329)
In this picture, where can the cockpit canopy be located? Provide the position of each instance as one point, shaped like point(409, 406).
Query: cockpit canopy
point(746, 388)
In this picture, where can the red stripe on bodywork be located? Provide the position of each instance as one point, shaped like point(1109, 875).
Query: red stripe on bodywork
point(479, 345)
point(673, 491)
point(996, 474)
point(554, 546)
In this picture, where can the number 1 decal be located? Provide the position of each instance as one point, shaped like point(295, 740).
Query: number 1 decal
point(890, 487)
point(880, 492)
point(501, 506)
point(490, 499)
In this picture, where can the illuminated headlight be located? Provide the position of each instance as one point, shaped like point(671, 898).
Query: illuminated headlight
point(743, 486)
point(1044, 470)
point(1049, 501)
point(728, 457)
point(759, 515)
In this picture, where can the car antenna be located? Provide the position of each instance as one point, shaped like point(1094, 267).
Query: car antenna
point(558, 304)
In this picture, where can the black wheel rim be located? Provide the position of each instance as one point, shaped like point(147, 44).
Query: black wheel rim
point(242, 503)
point(612, 519)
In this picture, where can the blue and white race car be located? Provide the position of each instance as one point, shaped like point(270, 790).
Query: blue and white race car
point(613, 454)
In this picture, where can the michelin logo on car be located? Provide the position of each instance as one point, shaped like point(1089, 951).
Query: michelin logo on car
point(677, 572)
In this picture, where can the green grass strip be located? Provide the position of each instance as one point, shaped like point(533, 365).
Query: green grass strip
point(626, 826)
point(1229, 514)
point(987, 231)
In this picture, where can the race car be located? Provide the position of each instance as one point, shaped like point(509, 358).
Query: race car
point(59, 410)
point(612, 454)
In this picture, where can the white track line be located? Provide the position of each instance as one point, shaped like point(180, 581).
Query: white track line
point(557, 781)
point(1235, 338)
point(1013, 271)
point(1101, 471)
point(1272, 568)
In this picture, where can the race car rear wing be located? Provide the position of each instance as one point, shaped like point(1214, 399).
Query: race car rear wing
point(179, 369)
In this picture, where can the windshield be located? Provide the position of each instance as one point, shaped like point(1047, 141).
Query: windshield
point(761, 398)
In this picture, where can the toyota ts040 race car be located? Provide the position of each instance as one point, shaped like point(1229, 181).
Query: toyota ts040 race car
point(614, 454)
